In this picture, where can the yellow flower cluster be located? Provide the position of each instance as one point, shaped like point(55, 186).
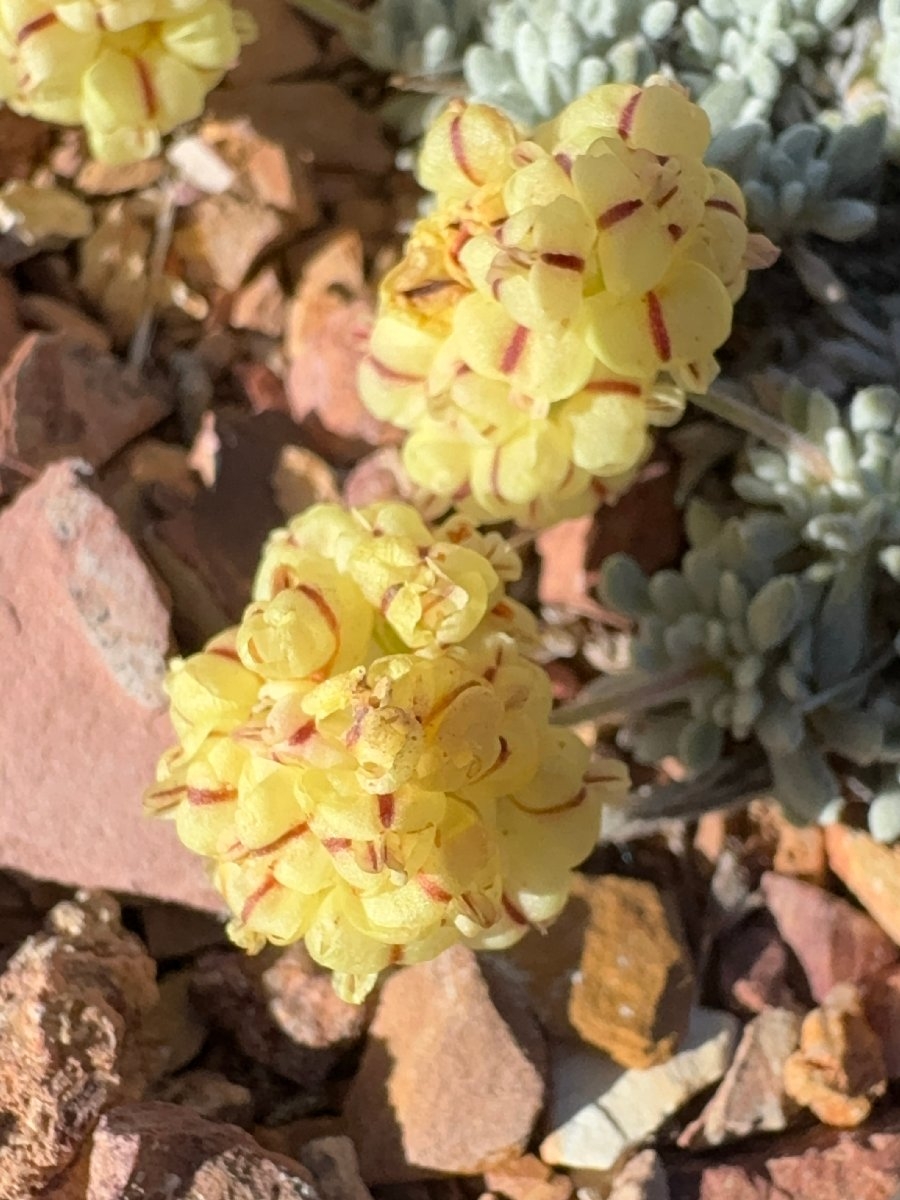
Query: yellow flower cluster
point(127, 70)
point(367, 758)
point(555, 303)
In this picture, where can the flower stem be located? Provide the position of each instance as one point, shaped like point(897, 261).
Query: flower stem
point(339, 15)
point(768, 429)
point(634, 691)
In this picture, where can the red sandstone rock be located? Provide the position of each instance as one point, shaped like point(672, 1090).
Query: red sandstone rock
point(834, 942)
point(157, 1151)
point(453, 1076)
point(61, 398)
point(754, 967)
point(881, 1003)
point(84, 636)
point(818, 1165)
point(280, 1009)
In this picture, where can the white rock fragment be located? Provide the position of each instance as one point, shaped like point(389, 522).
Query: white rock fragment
point(599, 1111)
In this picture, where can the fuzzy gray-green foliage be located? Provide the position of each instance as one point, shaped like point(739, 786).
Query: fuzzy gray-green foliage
point(538, 55)
point(421, 38)
point(808, 179)
point(737, 54)
point(780, 625)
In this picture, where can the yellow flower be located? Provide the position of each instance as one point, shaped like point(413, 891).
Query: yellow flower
point(129, 71)
point(566, 291)
point(367, 759)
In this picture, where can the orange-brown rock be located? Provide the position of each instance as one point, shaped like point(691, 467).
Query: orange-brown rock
point(871, 871)
point(839, 1069)
point(835, 942)
point(452, 1079)
point(527, 1178)
point(73, 1001)
point(632, 996)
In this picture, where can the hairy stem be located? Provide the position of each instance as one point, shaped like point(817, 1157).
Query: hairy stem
point(633, 692)
point(768, 429)
point(337, 14)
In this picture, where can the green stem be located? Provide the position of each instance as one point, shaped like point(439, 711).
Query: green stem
point(635, 691)
point(768, 429)
point(339, 15)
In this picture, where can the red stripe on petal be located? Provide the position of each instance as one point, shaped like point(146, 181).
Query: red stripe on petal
point(386, 809)
point(388, 373)
point(35, 26)
point(330, 618)
point(433, 889)
point(567, 262)
point(279, 843)
point(148, 91)
point(254, 898)
point(664, 200)
point(626, 119)
point(333, 845)
point(618, 212)
point(676, 233)
point(611, 387)
point(658, 331)
point(514, 350)
point(302, 734)
point(514, 913)
point(725, 206)
point(457, 146)
point(200, 797)
point(564, 161)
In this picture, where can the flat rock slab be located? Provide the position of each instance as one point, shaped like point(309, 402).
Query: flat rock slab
point(85, 636)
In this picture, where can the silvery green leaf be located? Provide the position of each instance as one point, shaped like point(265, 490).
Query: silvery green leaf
point(746, 709)
point(438, 46)
point(686, 636)
point(774, 612)
point(874, 408)
point(739, 637)
point(733, 597)
point(762, 207)
point(722, 710)
point(804, 783)
point(748, 671)
point(793, 198)
point(702, 33)
point(842, 220)
point(723, 102)
point(780, 727)
point(838, 532)
point(591, 73)
point(765, 464)
point(754, 491)
point(715, 639)
point(889, 558)
point(811, 412)
point(841, 454)
point(702, 571)
point(623, 586)
point(855, 735)
point(699, 746)
point(658, 18)
point(703, 694)
point(856, 153)
point(884, 817)
point(843, 624)
point(769, 535)
point(670, 594)
point(483, 67)
point(730, 148)
point(832, 13)
point(800, 142)
point(657, 737)
point(791, 684)
point(702, 523)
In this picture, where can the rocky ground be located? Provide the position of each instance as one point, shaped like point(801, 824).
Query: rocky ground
point(716, 1016)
